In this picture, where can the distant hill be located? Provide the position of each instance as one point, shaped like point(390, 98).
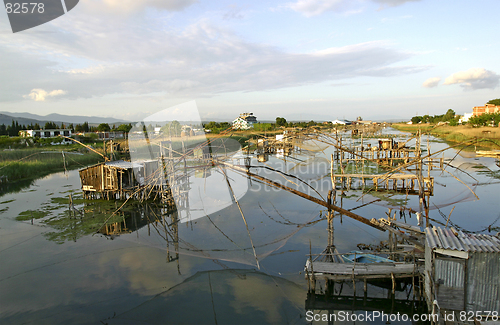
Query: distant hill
point(7, 120)
point(28, 118)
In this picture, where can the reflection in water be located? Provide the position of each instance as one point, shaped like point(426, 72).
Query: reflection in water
point(137, 275)
point(340, 305)
point(232, 296)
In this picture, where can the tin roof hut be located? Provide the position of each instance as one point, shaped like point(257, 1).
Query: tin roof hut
point(111, 176)
point(461, 270)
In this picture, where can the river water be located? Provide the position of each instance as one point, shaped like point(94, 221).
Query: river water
point(62, 267)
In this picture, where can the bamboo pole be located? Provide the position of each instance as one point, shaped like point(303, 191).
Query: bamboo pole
point(307, 197)
point(90, 148)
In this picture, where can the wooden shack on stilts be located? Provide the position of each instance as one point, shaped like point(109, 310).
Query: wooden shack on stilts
point(122, 179)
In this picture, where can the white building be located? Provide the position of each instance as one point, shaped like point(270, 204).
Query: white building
point(465, 118)
point(45, 133)
point(342, 122)
point(245, 121)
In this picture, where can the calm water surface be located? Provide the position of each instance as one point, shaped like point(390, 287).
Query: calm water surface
point(143, 267)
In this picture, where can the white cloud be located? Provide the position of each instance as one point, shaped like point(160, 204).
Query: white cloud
point(132, 6)
point(311, 8)
point(200, 60)
point(315, 7)
point(39, 95)
point(431, 82)
point(474, 78)
point(393, 3)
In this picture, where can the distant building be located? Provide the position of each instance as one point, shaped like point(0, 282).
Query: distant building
point(486, 109)
point(361, 122)
point(465, 118)
point(342, 122)
point(45, 133)
point(109, 135)
point(245, 121)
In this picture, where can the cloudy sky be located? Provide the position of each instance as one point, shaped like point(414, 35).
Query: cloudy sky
point(300, 59)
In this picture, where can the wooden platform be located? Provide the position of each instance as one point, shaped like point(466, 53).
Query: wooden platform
point(394, 181)
point(348, 271)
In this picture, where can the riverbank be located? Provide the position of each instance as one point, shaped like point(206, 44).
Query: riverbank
point(23, 164)
point(488, 137)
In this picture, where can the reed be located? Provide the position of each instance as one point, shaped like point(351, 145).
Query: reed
point(35, 163)
point(486, 136)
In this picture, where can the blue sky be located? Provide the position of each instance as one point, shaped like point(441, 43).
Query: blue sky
point(302, 59)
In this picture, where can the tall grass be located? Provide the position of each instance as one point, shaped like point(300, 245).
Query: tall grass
point(35, 163)
point(486, 136)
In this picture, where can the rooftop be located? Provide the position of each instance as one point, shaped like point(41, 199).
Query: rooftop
point(458, 241)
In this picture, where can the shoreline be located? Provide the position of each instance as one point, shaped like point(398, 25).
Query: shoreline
point(487, 137)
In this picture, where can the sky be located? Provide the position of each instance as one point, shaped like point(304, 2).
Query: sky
point(297, 59)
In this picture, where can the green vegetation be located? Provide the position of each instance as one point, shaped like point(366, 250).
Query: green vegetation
point(486, 136)
point(281, 122)
point(103, 127)
point(216, 128)
point(481, 120)
point(448, 117)
point(173, 129)
point(485, 120)
point(35, 163)
point(494, 102)
point(11, 130)
point(263, 127)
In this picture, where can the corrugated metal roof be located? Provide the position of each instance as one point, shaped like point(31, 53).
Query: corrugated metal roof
point(459, 241)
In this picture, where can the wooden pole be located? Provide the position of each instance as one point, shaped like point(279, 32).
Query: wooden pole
point(308, 197)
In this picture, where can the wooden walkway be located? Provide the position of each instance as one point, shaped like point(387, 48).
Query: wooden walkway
point(349, 271)
point(394, 181)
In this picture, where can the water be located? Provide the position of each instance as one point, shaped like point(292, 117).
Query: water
point(145, 269)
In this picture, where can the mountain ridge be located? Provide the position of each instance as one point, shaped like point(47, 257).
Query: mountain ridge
point(25, 118)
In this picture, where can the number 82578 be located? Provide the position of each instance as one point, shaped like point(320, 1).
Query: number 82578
point(24, 8)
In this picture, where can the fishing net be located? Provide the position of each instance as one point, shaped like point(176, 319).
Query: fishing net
point(210, 213)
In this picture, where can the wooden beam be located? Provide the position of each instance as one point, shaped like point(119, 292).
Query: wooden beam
point(307, 197)
point(90, 148)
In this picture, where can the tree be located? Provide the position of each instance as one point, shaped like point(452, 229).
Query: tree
point(450, 114)
point(79, 128)
point(416, 119)
point(85, 126)
point(125, 128)
point(494, 102)
point(103, 127)
point(173, 129)
point(11, 129)
point(212, 125)
point(280, 121)
point(311, 123)
point(50, 125)
point(485, 119)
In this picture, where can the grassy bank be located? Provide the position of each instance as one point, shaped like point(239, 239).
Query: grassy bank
point(486, 136)
point(20, 164)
